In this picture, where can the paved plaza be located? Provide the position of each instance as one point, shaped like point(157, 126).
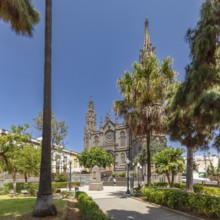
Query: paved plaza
point(113, 201)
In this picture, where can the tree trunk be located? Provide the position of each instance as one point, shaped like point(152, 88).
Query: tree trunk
point(189, 170)
point(44, 205)
point(14, 183)
point(172, 180)
point(168, 179)
point(148, 160)
point(25, 177)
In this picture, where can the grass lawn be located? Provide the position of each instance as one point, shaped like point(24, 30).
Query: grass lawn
point(21, 207)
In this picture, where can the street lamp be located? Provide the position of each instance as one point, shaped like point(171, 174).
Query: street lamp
point(128, 165)
point(70, 176)
point(139, 168)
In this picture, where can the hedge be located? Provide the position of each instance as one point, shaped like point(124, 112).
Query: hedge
point(32, 187)
point(89, 210)
point(207, 190)
point(205, 205)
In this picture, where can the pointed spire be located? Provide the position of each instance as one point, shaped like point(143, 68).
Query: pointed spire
point(91, 116)
point(147, 49)
point(91, 103)
point(107, 117)
point(101, 124)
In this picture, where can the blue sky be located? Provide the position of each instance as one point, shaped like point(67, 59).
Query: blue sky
point(94, 42)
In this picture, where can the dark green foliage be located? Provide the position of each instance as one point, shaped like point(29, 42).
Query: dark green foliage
point(89, 210)
point(95, 156)
point(160, 184)
point(205, 205)
point(61, 177)
point(32, 188)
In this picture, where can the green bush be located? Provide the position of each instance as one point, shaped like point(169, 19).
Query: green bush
point(205, 205)
point(31, 187)
point(76, 183)
point(180, 185)
point(123, 174)
point(208, 190)
point(63, 177)
point(3, 190)
point(89, 210)
point(159, 184)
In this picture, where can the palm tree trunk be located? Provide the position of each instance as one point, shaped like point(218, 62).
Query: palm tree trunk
point(44, 205)
point(148, 160)
point(189, 170)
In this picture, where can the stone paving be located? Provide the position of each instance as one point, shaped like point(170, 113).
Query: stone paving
point(114, 202)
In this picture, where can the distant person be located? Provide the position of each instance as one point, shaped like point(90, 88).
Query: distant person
point(114, 181)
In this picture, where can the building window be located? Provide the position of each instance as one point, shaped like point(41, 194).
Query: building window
point(75, 163)
point(96, 140)
point(122, 138)
point(122, 158)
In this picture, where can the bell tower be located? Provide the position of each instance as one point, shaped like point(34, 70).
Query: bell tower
point(147, 49)
point(90, 126)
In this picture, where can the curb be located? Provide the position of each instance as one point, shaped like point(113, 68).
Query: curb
point(169, 209)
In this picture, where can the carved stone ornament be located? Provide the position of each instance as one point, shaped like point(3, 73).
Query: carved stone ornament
point(109, 136)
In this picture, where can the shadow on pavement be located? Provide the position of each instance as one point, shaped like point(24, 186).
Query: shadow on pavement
point(151, 213)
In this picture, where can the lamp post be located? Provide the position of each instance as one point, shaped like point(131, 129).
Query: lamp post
point(70, 176)
point(139, 168)
point(128, 165)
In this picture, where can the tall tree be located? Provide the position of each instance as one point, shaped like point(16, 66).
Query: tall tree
point(196, 104)
point(12, 152)
point(20, 14)
point(44, 204)
point(59, 129)
point(144, 92)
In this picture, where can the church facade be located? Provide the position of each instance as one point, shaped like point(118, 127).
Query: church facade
point(112, 136)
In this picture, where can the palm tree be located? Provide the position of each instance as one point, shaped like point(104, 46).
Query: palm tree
point(44, 205)
point(20, 14)
point(170, 162)
point(144, 91)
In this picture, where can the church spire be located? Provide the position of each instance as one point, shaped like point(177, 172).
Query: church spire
point(91, 117)
point(147, 49)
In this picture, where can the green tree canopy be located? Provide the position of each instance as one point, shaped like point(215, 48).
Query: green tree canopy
point(59, 129)
point(170, 162)
point(18, 154)
point(196, 106)
point(95, 156)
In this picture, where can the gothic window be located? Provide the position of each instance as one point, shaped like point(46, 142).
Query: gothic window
point(122, 138)
point(122, 158)
point(96, 140)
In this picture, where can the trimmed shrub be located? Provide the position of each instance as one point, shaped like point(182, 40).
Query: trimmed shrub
point(159, 184)
point(205, 205)
point(31, 187)
point(208, 190)
point(123, 174)
point(62, 177)
point(89, 210)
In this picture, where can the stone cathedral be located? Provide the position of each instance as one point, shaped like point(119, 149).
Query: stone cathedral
point(112, 136)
